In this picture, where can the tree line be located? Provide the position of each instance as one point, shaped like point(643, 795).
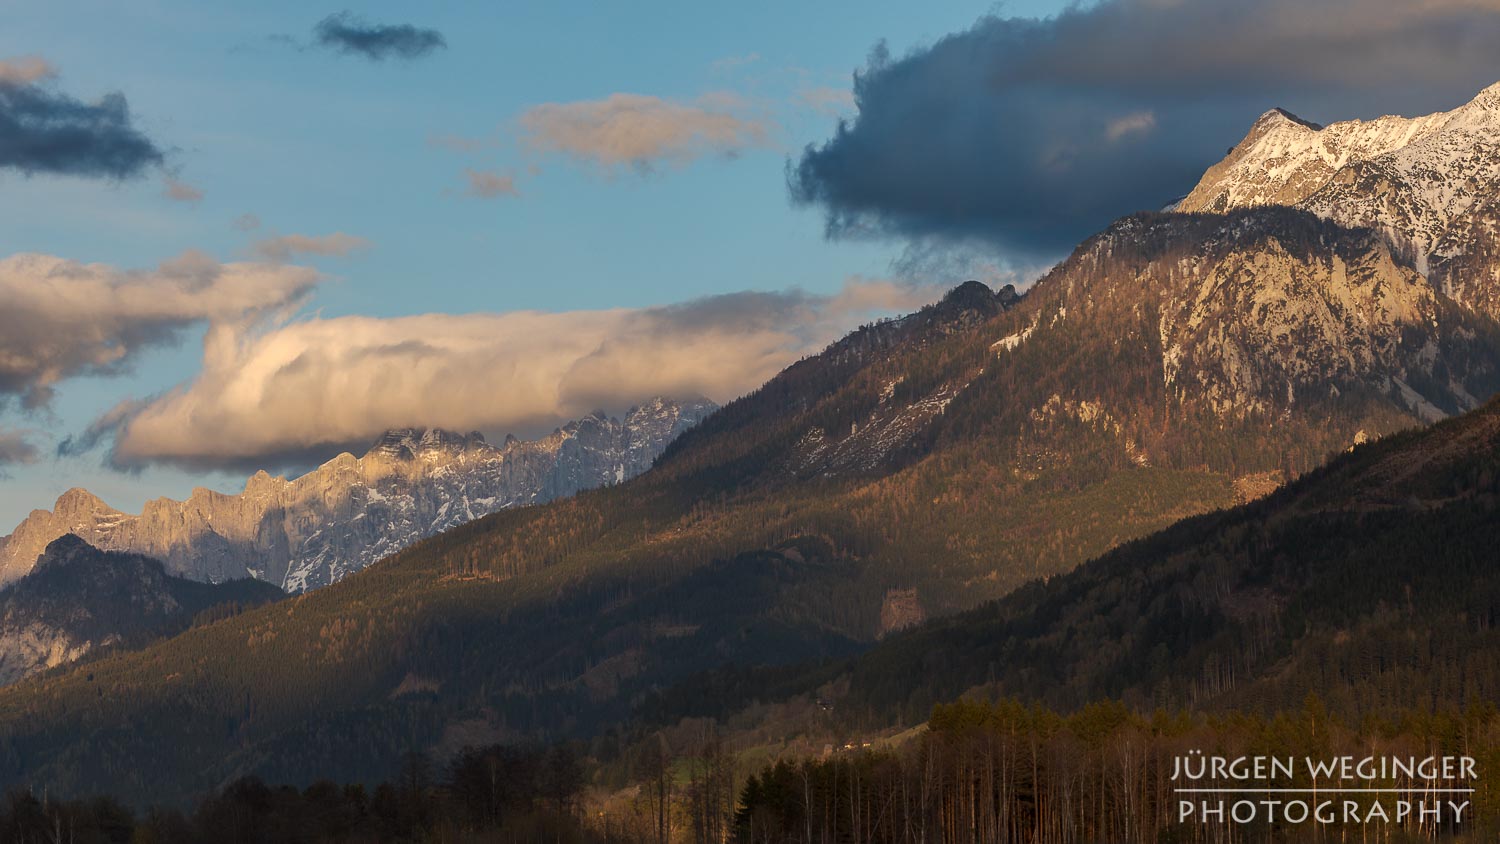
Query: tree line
point(1022, 774)
point(495, 793)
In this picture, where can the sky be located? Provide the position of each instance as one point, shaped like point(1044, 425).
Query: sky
point(237, 237)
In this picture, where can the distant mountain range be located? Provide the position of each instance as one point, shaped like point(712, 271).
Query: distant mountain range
point(77, 599)
point(311, 531)
point(1175, 364)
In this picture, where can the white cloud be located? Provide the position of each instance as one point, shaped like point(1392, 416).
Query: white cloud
point(62, 318)
point(303, 389)
point(284, 247)
point(643, 131)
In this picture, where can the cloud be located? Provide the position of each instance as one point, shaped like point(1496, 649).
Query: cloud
point(246, 222)
point(45, 131)
point(1030, 133)
point(24, 70)
point(304, 390)
point(644, 132)
point(347, 33)
point(15, 449)
point(285, 247)
point(487, 184)
point(1139, 123)
point(179, 191)
point(63, 318)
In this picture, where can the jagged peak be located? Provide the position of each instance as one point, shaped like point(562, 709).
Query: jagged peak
point(263, 480)
point(442, 439)
point(411, 443)
point(397, 443)
point(653, 405)
point(682, 406)
point(78, 501)
point(1277, 116)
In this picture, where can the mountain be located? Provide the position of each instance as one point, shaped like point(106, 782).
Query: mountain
point(1430, 185)
point(1371, 582)
point(337, 519)
point(78, 599)
point(1174, 365)
point(1274, 311)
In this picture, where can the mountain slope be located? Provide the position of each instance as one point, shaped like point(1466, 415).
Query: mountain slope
point(78, 599)
point(1175, 364)
point(1371, 582)
point(737, 548)
point(349, 512)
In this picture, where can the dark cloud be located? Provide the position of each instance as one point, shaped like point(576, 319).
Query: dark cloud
point(349, 34)
point(1033, 133)
point(45, 131)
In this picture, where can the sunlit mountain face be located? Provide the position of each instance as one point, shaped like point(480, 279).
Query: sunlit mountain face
point(725, 447)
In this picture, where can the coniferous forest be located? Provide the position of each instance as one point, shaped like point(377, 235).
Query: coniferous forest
point(976, 772)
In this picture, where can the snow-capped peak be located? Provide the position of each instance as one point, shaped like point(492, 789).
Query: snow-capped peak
point(1413, 179)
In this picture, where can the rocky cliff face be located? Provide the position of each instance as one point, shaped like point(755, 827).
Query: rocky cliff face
point(311, 531)
point(1274, 311)
point(78, 598)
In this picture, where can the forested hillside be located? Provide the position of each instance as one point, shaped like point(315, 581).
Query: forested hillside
point(915, 468)
point(1371, 583)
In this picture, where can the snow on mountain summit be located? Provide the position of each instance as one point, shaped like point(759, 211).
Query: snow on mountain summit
point(315, 529)
point(1416, 180)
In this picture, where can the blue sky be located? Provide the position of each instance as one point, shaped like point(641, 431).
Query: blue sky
point(314, 142)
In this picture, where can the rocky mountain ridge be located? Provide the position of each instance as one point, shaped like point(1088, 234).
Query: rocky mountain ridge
point(1420, 182)
point(1274, 311)
point(315, 529)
